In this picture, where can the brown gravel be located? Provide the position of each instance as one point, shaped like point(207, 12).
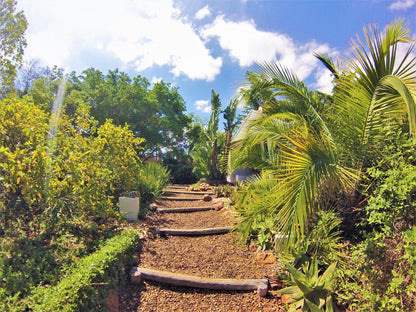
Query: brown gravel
point(214, 256)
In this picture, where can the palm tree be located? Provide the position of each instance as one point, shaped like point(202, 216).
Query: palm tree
point(230, 124)
point(213, 133)
point(317, 146)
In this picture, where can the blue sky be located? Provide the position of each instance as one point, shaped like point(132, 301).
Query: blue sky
point(201, 45)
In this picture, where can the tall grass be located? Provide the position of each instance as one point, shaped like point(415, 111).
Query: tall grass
point(153, 178)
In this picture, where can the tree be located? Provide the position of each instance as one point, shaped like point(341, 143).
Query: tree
point(44, 89)
point(12, 43)
point(212, 133)
point(316, 146)
point(230, 115)
point(156, 114)
point(173, 121)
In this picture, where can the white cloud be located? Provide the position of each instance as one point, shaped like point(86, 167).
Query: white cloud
point(203, 106)
point(402, 5)
point(323, 80)
point(139, 34)
point(248, 45)
point(156, 80)
point(202, 13)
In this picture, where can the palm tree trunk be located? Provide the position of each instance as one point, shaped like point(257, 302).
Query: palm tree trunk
point(214, 169)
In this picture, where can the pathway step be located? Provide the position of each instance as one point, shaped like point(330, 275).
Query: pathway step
point(187, 209)
point(195, 232)
point(138, 274)
point(180, 187)
point(180, 198)
point(189, 192)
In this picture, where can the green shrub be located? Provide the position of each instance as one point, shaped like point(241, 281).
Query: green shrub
point(310, 290)
point(253, 202)
point(322, 242)
point(153, 179)
point(380, 274)
point(57, 192)
point(79, 170)
point(223, 190)
point(89, 279)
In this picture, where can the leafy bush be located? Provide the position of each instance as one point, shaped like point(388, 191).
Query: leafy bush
point(57, 193)
point(256, 220)
point(153, 179)
point(80, 170)
point(380, 275)
point(33, 251)
point(380, 278)
point(322, 242)
point(23, 128)
point(180, 167)
point(88, 279)
point(223, 190)
point(88, 173)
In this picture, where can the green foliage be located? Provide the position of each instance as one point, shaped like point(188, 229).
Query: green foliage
point(67, 174)
point(155, 114)
point(380, 276)
point(256, 219)
point(322, 242)
point(89, 279)
point(392, 185)
point(33, 251)
point(88, 173)
point(180, 166)
point(44, 89)
point(230, 124)
point(12, 42)
point(212, 132)
point(202, 150)
point(310, 290)
point(56, 190)
point(223, 190)
point(153, 179)
point(23, 128)
point(319, 146)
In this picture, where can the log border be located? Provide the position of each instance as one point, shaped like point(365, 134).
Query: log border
point(195, 232)
point(138, 274)
point(187, 209)
point(180, 198)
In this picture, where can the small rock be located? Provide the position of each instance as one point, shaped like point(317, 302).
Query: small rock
point(133, 194)
point(253, 247)
point(265, 258)
point(112, 301)
point(207, 198)
point(153, 207)
point(219, 206)
point(286, 298)
point(274, 282)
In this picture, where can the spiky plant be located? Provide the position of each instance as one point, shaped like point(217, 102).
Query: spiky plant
point(316, 148)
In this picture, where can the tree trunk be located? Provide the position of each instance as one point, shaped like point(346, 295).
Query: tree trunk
point(214, 168)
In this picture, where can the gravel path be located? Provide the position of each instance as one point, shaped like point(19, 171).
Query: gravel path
point(214, 256)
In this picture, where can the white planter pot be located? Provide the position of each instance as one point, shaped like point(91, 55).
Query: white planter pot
point(129, 208)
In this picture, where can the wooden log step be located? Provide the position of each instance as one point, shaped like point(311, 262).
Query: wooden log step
point(189, 192)
point(188, 209)
point(195, 232)
point(138, 274)
point(180, 187)
point(180, 198)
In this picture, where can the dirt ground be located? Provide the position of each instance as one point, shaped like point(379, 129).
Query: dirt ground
point(213, 256)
